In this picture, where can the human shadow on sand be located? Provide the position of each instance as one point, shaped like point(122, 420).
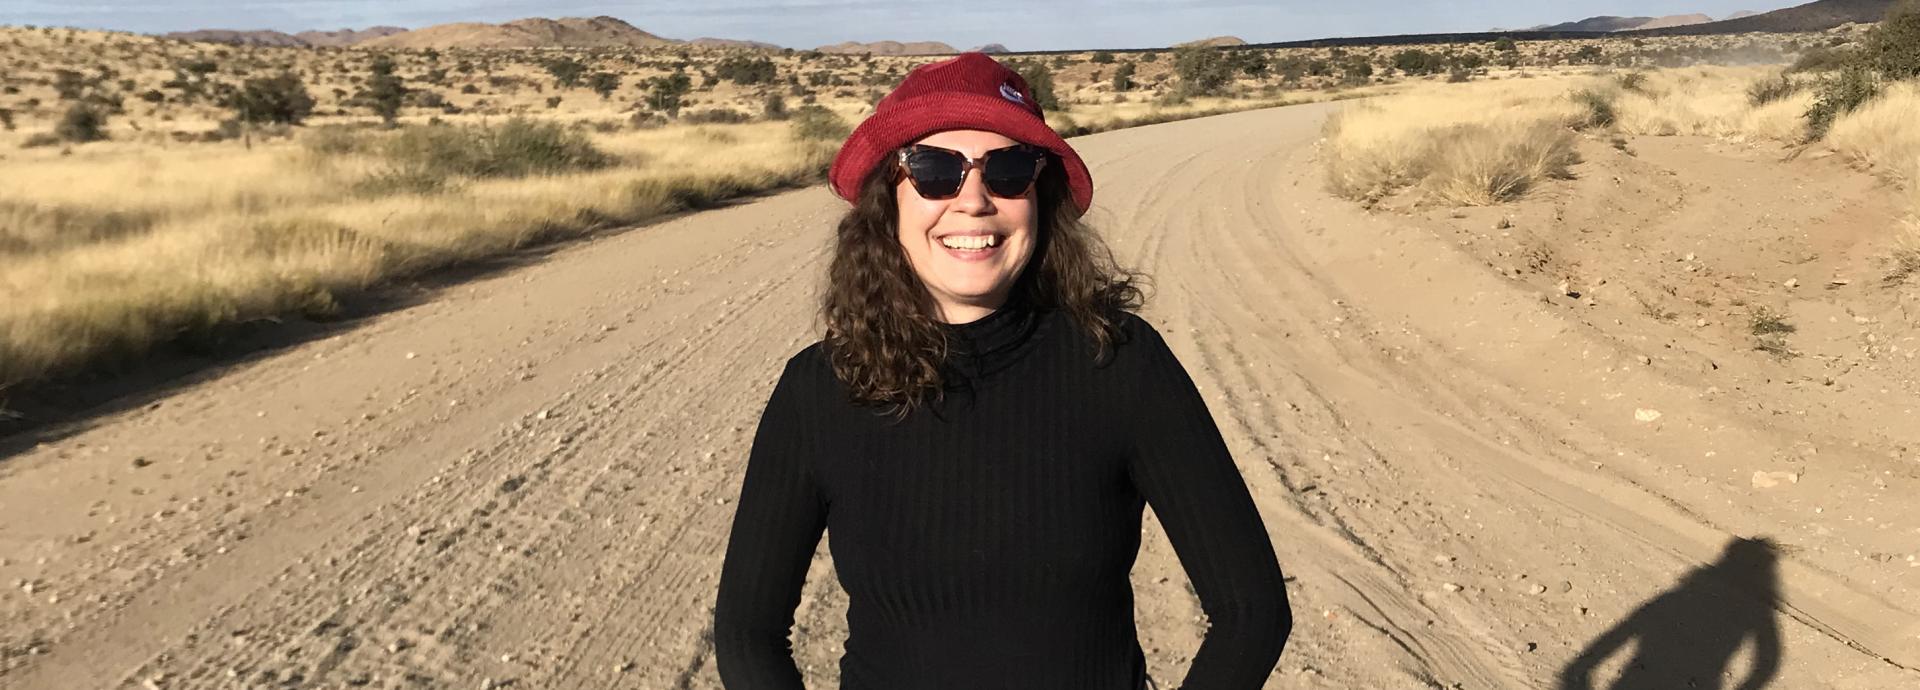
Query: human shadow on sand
point(1686, 637)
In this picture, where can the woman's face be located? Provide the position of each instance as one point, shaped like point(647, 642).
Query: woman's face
point(967, 284)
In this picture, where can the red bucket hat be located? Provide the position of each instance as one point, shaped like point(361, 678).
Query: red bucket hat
point(967, 91)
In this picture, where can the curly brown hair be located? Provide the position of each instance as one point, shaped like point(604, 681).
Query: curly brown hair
point(884, 333)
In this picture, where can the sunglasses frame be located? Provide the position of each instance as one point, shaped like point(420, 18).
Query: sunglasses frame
point(967, 165)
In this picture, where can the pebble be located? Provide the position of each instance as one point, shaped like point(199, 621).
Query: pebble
point(1646, 415)
point(1451, 587)
point(1538, 589)
point(141, 462)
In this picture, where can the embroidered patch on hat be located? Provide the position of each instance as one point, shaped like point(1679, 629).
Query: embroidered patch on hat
point(1008, 92)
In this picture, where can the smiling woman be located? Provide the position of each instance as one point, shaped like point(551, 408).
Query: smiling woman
point(984, 534)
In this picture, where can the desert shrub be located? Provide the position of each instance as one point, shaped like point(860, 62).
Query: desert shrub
point(1893, 47)
point(281, 98)
point(1101, 57)
point(470, 89)
point(817, 123)
point(1777, 88)
point(6, 119)
point(385, 90)
point(1123, 77)
point(1632, 82)
point(554, 102)
point(516, 148)
point(1039, 82)
point(1458, 75)
point(1838, 95)
point(603, 83)
point(1505, 45)
point(741, 69)
point(774, 107)
point(40, 140)
point(1596, 109)
point(82, 123)
point(566, 72)
point(1415, 62)
point(1202, 71)
point(716, 116)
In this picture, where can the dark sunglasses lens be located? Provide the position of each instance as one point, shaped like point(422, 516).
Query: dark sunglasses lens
point(1010, 172)
point(935, 173)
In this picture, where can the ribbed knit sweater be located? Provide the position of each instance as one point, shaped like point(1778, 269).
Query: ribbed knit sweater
point(985, 541)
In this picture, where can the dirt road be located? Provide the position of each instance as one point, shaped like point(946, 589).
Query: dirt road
point(527, 482)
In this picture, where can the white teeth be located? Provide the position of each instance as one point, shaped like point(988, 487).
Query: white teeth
point(971, 241)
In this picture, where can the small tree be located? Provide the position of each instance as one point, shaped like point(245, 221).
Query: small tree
point(566, 72)
point(775, 107)
point(663, 93)
point(604, 83)
point(281, 99)
point(82, 123)
point(1505, 45)
point(1203, 71)
point(385, 90)
point(1123, 77)
point(1039, 81)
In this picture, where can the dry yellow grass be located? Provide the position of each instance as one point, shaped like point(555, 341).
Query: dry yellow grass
point(1472, 144)
point(1711, 101)
point(1884, 134)
point(183, 241)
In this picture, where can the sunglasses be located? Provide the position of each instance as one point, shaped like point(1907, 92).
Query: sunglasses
point(938, 173)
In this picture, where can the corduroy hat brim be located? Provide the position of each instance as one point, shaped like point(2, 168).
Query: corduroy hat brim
point(900, 124)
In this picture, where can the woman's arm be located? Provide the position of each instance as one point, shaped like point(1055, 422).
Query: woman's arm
point(1182, 466)
point(776, 526)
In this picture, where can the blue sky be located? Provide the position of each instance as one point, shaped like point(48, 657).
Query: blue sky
point(1020, 25)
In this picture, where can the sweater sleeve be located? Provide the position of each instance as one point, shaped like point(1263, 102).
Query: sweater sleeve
point(777, 524)
point(1181, 465)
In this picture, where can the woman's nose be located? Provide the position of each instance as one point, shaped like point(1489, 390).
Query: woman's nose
point(973, 199)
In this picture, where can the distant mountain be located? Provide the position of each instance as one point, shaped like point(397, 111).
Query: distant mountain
point(1609, 23)
point(1676, 20)
point(1597, 24)
point(732, 43)
point(1813, 16)
point(1215, 42)
point(992, 48)
point(346, 37)
point(244, 38)
point(571, 32)
point(891, 48)
point(1742, 13)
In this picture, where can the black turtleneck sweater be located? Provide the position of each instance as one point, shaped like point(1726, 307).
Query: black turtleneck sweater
point(985, 541)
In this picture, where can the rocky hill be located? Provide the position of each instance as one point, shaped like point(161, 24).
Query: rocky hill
point(1215, 42)
point(1813, 16)
point(992, 48)
point(346, 37)
point(571, 32)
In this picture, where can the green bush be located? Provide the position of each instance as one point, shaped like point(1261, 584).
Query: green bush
point(1416, 62)
point(1838, 95)
point(817, 123)
point(1123, 77)
point(82, 123)
point(1039, 81)
point(1203, 71)
point(281, 98)
point(1101, 57)
point(1893, 47)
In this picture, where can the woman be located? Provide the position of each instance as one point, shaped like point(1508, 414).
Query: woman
point(981, 429)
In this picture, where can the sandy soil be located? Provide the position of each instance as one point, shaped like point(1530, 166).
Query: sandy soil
point(1470, 476)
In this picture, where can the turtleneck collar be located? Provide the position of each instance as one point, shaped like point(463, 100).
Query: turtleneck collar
point(985, 345)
